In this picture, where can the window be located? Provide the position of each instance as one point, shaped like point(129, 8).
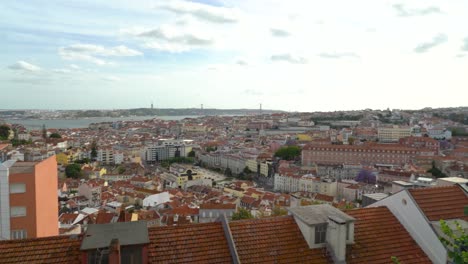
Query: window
point(17, 188)
point(19, 234)
point(17, 211)
point(320, 233)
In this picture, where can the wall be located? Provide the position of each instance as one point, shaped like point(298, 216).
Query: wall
point(46, 198)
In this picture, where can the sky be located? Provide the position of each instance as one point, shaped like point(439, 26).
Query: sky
point(293, 55)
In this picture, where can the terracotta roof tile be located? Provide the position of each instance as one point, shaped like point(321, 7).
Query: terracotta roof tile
point(378, 236)
point(441, 202)
point(273, 240)
point(57, 249)
point(198, 243)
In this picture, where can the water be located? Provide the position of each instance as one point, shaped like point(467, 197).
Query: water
point(33, 124)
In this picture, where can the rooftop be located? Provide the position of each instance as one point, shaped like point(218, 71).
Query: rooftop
point(197, 243)
point(128, 233)
point(57, 249)
point(316, 214)
point(281, 242)
point(441, 202)
point(378, 236)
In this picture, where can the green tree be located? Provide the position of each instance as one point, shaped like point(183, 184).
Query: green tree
point(288, 153)
point(228, 172)
point(279, 211)
point(4, 132)
point(456, 241)
point(94, 150)
point(436, 172)
point(242, 214)
point(121, 169)
point(210, 148)
point(247, 170)
point(55, 135)
point(44, 131)
point(73, 171)
point(191, 154)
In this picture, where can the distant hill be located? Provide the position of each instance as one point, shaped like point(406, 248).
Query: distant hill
point(164, 112)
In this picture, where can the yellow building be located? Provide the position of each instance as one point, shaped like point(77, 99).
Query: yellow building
point(234, 192)
point(184, 173)
point(304, 137)
point(393, 134)
point(62, 159)
point(252, 165)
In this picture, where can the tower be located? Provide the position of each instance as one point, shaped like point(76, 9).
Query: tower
point(151, 105)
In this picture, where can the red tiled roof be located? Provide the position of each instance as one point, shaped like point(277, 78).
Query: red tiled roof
point(57, 249)
point(199, 243)
point(217, 206)
point(378, 236)
point(273, 240)
point(104, 218)
point(441, 202)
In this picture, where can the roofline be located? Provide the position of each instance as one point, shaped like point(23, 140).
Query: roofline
point(230, 239)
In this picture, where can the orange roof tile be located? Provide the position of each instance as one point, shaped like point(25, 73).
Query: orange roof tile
point(378, 236)
point(273, 240)
point(57, 249)
point(198, 243)
point(441, 202)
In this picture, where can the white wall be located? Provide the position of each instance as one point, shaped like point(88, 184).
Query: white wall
point(416, 224)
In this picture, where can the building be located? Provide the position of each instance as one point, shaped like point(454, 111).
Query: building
point(210, 212)
point(392, 134)
point(367, 154)
point(179, 175)
point(166, 149)
point(28, 199)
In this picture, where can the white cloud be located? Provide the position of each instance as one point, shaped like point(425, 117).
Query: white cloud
point(111, 78)
point(426, 46)
point(286, 57)
point(338, 55)
point(24, 66)
point(172, 38)
point(201, 11)
point(93, 53)
point(277, 32)
point(62, 71)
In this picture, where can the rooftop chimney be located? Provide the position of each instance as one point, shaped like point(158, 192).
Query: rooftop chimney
point(325, 226)
point(336, 239)
point(114, 251)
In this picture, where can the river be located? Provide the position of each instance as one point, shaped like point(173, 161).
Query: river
point(83, 122)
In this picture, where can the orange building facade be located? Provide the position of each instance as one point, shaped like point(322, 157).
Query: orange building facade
point(33, 199)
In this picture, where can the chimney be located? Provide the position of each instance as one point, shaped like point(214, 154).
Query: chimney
point(336, 239)
point(114, 251)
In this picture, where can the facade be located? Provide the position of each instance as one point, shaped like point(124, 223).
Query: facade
point(211, 212)
point(369, 154)
point(156, 153)
point(305, 183)
point(28, 199)
point(392, 134)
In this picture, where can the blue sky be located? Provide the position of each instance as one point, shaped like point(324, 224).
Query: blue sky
point(288, 55)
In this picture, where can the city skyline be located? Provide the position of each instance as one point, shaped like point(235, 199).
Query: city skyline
point(294, 56)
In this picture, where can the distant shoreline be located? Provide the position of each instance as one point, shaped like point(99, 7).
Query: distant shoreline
point(68, 123)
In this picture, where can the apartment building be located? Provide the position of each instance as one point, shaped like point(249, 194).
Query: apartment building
point(392, 134)
point(28, 199)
